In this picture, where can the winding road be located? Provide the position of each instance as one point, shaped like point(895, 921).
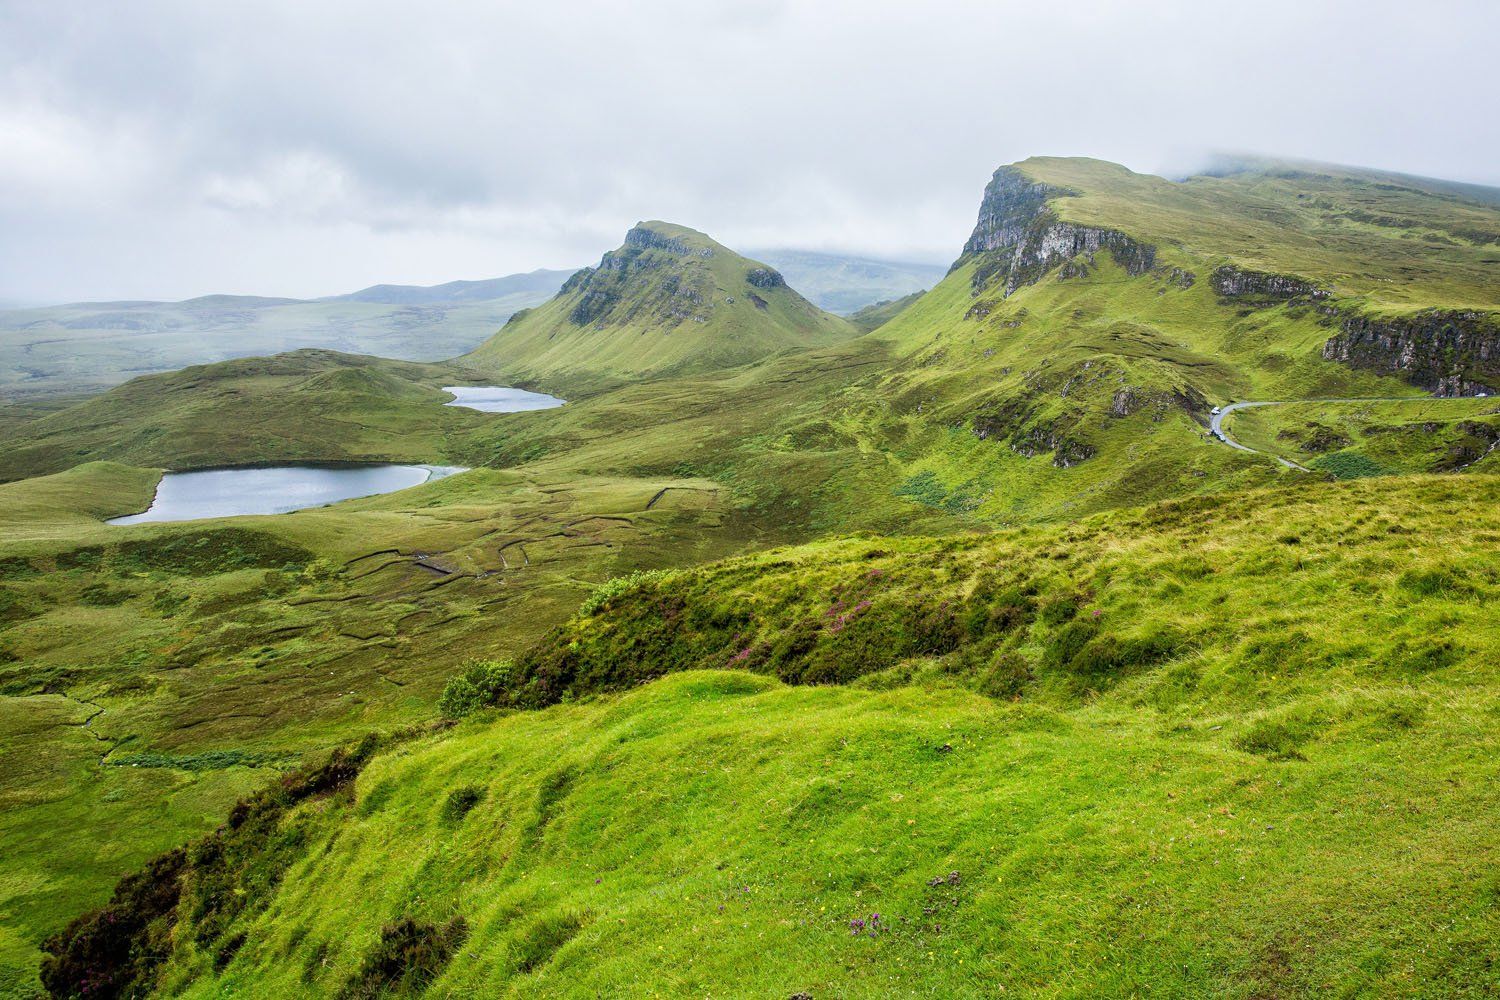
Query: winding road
point(1216, 421)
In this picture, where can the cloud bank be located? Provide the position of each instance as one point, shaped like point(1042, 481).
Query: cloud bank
point(165, 149)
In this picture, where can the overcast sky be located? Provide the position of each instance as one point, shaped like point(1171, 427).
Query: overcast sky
point(167, 149)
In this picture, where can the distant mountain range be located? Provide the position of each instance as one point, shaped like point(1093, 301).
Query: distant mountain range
point(85, 347)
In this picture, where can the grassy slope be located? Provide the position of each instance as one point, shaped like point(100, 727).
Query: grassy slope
point(1394, 246)
point(1377, 438)
point(683, 310)
point(1304, 802)
point(305, 405)
point(881, 433)
point(878, 314)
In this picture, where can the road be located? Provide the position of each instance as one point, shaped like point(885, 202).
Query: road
point(1216, 422)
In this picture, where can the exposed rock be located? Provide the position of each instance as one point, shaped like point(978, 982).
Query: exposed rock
point(1316, 438)
point(1018, 238)
point(1238, 283)
point(1449, 353)
point(642, 238)
point(765, 277)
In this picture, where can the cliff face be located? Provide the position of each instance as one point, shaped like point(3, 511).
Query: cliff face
point(1237, 283)
point(1018, 238)
point(1447, 353)
point(677, 294)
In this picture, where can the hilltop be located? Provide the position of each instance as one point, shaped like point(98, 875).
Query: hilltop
point(669, 301)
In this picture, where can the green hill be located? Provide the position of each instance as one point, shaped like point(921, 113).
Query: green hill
point(669, 301)
point(1065, 367)
point(1138, 798)
point(305, 405)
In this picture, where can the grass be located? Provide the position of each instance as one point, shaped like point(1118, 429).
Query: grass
point(671, 302)
point(1423, 435)
point(1299, 803)
point(1242, 635)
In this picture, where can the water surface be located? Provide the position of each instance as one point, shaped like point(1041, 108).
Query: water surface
point(186, 496)
point(500, 398)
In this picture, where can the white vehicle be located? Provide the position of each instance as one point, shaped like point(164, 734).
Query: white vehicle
point(1214, 411)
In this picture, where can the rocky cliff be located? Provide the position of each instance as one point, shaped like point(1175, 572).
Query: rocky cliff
point(1449, 353)
point(1018, 238)
point(1238, 283)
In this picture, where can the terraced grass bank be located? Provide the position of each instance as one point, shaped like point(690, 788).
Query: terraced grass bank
point(1144, 800)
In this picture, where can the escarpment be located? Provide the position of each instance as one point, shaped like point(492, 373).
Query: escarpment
point(1239, 283)
point(1449, 353)
point(1019, 238)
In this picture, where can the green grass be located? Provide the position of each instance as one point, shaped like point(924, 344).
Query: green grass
point(1242, 635)
point(1303, 801)
point(670, 301)
point(1422, 435)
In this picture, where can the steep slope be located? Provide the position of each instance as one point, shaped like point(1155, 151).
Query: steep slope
point(1142, 801)
point(669, 301)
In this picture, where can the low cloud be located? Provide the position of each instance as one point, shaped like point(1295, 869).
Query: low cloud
point(164, 149)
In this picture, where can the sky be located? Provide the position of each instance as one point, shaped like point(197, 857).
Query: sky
point(157, 149)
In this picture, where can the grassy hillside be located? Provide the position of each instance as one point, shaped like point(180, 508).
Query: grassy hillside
point(307, 405)
point(1379, 437)
point(1140, 799)
point(150, 674)
point(1379, 239)
point(669, 301)
point(89, 346)
point(877, 314)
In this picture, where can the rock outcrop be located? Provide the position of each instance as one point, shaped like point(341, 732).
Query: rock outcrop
point(1018, 238)
point(765, 277)
point(1238, 283)
point(1448, 353)
point(669, 293)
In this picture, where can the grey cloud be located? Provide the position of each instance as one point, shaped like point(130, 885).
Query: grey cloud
point(173, 148)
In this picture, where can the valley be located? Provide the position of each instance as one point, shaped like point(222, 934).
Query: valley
point(951, 612)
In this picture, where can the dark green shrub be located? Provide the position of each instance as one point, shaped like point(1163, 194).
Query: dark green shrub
point(482, 683)
point(409, 956)
point(117, 949)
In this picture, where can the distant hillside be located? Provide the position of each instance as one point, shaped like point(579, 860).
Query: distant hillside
point(668, 301)
point(844, 284)
point(877, 314)
point(88, 346)
point(539, 282)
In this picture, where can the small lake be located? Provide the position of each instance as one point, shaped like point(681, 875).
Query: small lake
point(187, 496)
point(500, 398)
